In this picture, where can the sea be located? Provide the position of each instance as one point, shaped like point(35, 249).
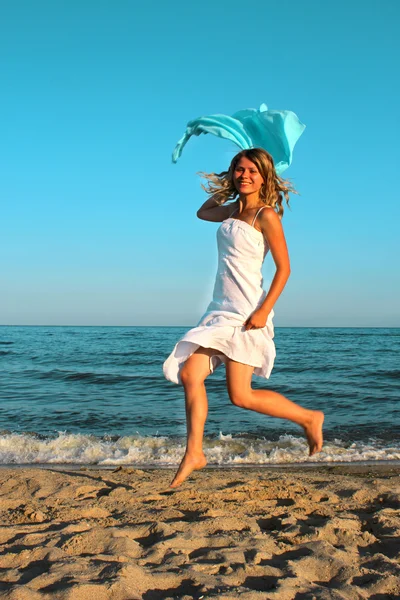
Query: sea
point(97, 396)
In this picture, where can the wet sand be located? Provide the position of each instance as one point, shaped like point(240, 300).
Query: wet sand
point(254, 533)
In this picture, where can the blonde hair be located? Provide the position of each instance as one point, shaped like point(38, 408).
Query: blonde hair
point(272, 190)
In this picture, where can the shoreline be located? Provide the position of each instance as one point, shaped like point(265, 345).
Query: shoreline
point(351, 467)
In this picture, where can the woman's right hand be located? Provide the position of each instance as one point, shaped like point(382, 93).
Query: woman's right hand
point(215, 211)
point(219, 198)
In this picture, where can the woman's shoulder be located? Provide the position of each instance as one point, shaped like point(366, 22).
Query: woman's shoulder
point(268, 215)
point(232, 207)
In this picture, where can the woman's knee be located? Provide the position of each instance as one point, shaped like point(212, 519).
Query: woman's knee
point(190, 376)
point(240, 398)
point(197, 367)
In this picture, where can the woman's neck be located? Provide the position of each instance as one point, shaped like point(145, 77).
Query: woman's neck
point(250, 201)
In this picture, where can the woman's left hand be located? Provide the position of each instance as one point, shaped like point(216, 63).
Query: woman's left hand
point(257, 320)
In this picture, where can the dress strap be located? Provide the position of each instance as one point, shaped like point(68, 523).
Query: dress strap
point(256, 215)
point(233, 212)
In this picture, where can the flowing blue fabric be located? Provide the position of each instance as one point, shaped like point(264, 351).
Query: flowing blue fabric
point(277, 131)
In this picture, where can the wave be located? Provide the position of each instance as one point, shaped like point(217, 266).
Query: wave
point(86, 377)
point(395, 374)
point(152, 451)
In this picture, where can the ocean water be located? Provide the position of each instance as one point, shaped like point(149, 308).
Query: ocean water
point(97, 395)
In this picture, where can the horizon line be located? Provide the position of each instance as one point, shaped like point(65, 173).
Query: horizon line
point(192, 326)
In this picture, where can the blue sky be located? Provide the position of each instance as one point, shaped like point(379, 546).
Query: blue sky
point(99, 227)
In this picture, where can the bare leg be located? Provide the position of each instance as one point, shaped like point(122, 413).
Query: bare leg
point(193, 374)
point(273, 404)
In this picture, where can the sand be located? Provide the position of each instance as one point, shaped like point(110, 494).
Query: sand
point(83, 533)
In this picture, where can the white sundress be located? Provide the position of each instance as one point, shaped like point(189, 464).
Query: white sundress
point(238, 292)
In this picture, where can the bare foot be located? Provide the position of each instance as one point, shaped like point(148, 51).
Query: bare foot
point(189, 463)
point(313, 432)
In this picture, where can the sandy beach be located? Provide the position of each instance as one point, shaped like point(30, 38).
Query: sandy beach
point(255, 533)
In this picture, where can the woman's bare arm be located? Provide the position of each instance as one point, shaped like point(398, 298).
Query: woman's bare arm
point(212, 211)
point(271, 228)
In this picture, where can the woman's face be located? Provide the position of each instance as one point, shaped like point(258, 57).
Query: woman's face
point(246, 177)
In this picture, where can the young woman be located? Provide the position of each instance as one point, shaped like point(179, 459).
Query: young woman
point(237, 327)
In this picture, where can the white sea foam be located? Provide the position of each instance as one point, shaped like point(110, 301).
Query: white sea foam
point(229, 450)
